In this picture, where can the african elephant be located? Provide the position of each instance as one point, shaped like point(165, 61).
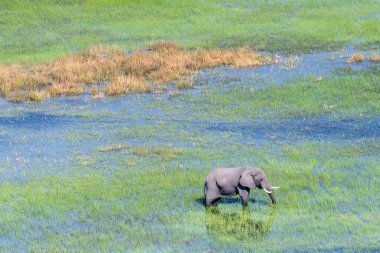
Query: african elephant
point(224, 182)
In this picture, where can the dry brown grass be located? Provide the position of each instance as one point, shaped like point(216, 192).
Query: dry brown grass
point(126, 84)
point(141, 71)
point(185, 84)
point(375, 57)
point(38, 95)
point(358, 57)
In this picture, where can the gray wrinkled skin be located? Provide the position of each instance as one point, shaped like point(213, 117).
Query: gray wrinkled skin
point(225, 182)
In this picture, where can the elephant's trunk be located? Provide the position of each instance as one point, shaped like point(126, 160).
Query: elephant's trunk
point(273, 198)
point(268, 189)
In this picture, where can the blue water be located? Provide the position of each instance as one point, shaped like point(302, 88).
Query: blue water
point(46, 138)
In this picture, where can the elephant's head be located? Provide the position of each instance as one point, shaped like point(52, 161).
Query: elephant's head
point(253, 178)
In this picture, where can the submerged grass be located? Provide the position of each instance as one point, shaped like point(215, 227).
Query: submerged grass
point(148, 197)
point(116, 71)
point(165, 153)
point(111, 148)
point(321, 206)
point(348, 94)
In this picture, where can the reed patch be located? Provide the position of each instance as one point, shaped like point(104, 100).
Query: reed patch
point(166, 153)
point(111, 148)
point(375, 57)
point(111, 71)
point(358, 57)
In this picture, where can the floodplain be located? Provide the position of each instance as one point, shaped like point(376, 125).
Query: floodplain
point(126, 173)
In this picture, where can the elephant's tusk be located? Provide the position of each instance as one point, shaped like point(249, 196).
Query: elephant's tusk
point(275, 187)
point(266, 190)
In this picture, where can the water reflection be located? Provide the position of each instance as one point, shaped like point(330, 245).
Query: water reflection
point(237, 226)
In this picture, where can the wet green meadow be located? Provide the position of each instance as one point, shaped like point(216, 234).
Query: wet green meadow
point(43, 30)
point(126, 174)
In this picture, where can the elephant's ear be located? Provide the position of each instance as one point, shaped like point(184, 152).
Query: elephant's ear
point(246, 180)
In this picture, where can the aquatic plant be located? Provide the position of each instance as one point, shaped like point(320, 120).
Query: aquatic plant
point(163, 152)
point(60, 193)
point(358, 57)
point(111, 148)
point(375, 57)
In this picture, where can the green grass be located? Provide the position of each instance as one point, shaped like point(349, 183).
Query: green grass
point(146, 198)
point(163, 152)
point(327, 198)
point(117, 147)
point(142, 190)
point(346, 95)
point(37, 31)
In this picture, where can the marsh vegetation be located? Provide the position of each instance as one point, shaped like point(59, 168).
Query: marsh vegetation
point(112, 71)
point(125, 173)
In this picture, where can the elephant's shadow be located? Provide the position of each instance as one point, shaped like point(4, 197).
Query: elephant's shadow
point(234, 201)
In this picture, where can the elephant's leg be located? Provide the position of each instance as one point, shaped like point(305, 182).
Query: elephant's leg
point(244, 196)
point(212, 194)
point(211, 197)
point(215, 201)
point(208, 202)
point(211, 201)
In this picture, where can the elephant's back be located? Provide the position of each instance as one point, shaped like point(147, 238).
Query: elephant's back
point(222, 173)
point(218, 173)
point(228, 175)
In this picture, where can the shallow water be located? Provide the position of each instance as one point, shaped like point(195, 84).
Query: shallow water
point(63, 137)
point(318, 128)
point(286, 69)
point(53, 133)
